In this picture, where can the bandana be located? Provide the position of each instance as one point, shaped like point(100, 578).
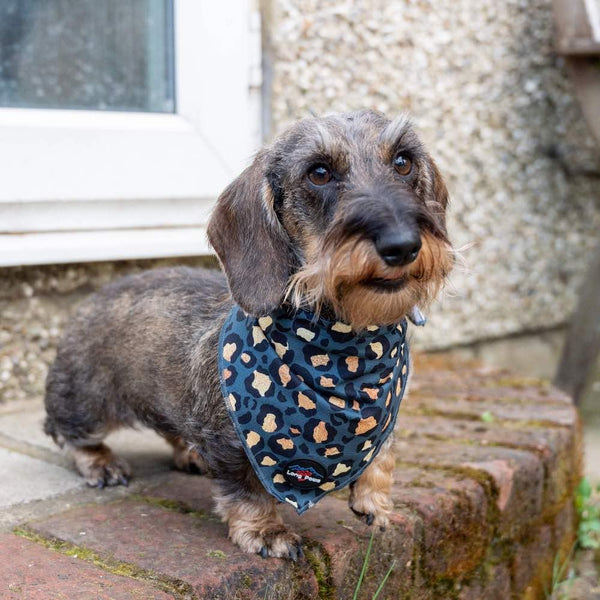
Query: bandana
point(311, 401)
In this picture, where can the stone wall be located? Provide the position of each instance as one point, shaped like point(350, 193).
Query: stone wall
point(35, 303)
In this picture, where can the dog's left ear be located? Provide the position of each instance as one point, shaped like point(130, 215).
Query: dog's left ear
point(249, 240)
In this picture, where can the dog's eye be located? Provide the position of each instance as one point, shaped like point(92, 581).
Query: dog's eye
point(319, 175)
point(403, 165)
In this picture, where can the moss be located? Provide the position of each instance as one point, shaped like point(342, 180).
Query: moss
point(540, 451)
point(174, 506)
point(320, 563)
point(484, 479)
point(447, 589)
point(501, 551)
point(179, 589)
point(426, 411)
point(516, 382)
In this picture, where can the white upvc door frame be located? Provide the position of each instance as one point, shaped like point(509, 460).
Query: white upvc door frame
point(97, 185)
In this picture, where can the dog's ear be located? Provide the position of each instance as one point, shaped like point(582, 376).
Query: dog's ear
point(251, 244)
point(440, 195)
point(440, 191)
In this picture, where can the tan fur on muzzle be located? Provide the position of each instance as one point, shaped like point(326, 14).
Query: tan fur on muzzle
point(337, 276)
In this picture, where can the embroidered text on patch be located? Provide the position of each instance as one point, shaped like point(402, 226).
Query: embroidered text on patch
point(311, 401)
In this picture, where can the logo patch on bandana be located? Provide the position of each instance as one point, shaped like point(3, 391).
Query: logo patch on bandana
point(304, 474)
point(311, 400)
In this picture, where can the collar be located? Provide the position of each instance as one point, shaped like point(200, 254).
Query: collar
point(311, 401)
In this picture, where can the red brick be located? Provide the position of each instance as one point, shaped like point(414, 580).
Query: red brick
point(530, 412)
point(345, 540)
point(532, 564)
point(454, 370)
point(495, 586)
point(564, 528)
point(332, 528)
point(476, 512)
point(528, 395)
point(439, 375)
point(472, 385)
point(329, 528)
point(183, 547)
point(517, 475)
point(193, 491)
point(466, 386)
point(332, 535)
point(29, 570)
point(554, 445)
point(454, 513)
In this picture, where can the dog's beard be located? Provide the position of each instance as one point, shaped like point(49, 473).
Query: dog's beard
point(351, 280)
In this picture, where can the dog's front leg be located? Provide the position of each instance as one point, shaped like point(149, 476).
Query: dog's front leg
point(254, 523)
point(370, 495)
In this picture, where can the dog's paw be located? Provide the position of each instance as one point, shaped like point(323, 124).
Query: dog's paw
point(116, 472)
point(275, 542)
point(189, 461)
point(102, 468)
point(373, 508)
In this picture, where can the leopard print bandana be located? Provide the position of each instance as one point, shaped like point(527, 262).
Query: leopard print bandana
point(312, 402)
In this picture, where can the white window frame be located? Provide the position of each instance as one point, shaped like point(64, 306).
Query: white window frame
point(592, 8)
point(97, 185)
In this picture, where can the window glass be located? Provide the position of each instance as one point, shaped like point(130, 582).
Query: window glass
point(87, 54)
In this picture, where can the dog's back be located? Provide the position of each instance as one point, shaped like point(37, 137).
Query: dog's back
point(129, 343)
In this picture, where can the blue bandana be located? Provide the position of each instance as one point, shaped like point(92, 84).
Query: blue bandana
point(312, 401)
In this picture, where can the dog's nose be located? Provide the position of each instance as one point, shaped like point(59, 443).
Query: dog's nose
point(399, 248)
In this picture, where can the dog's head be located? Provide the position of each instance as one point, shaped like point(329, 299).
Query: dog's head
point(345, 213)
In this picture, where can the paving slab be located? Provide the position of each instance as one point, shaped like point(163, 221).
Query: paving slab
point(26, 425)
point(147, 452)
point(25, 479)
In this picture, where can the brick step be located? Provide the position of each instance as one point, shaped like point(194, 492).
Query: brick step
point(483, 505)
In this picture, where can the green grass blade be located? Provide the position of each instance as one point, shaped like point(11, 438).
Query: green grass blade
point(364, 567)
point(384, 580)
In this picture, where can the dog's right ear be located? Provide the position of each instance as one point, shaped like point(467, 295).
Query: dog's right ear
point(251, 244)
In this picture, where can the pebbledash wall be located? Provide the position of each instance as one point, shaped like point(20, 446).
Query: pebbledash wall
point(493, 103)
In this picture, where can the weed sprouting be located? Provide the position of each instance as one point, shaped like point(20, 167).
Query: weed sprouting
point(364, 570)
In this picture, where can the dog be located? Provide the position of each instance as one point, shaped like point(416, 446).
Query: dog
point(342, 217)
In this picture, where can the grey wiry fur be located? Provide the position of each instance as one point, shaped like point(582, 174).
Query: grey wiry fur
point(144, 349)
